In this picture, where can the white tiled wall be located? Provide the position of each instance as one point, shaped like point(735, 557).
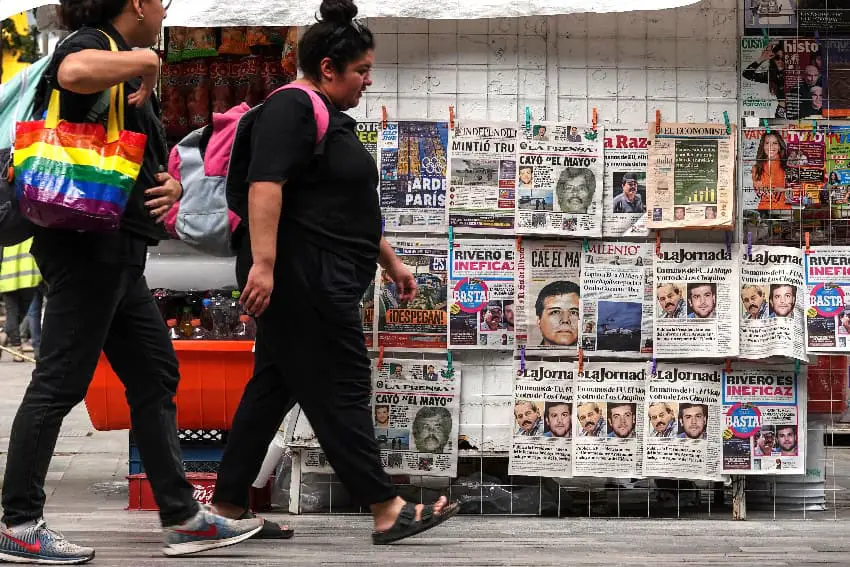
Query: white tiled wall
point(627, 65)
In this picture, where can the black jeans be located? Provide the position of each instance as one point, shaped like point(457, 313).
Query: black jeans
point(310, 349)
point(17, 305)
point(93, 306)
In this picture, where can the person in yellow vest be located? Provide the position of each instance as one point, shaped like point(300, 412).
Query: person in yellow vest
point(19, 279)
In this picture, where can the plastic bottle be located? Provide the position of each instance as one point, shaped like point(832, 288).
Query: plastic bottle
point(198, 332)
point(234, 312)
point(218, 317)
point(185, 328)
point(246, 330)
point(172, 330)
point(207, 317)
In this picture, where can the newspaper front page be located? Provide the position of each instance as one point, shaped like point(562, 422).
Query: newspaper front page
point(610, 423)
point(795, 16)
point(552, 295)
point(481, 294)
point(415, 405)
point(624, 200)
point(772, 297)
point(368, 133)
point(413, 162)
point(423, 321)
point(684, 422)
point(560, 180)
point(827, 271)
point(765, 420)
point(616, 302)
point(482, 177)
point(367, 314)
point(691, 176)
point(543, 425)
point(696, 296)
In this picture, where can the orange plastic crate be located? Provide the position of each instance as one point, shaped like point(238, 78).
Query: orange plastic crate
point(141, 495)
point(213, 375)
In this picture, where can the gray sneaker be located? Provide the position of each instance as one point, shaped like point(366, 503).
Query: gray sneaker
point(36, 543)
point(206, 531)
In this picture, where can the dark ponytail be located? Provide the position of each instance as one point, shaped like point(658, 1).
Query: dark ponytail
point(78, 13)
point(336, 36)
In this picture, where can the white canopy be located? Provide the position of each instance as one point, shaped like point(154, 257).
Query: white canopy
point(197, 13)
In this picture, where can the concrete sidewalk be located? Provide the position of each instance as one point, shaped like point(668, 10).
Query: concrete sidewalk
point(87, 494)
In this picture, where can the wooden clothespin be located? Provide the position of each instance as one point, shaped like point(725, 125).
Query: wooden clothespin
point(749, 245)
point(528, 118)
point(449, 368)
point(658, 243)
point(380, 357)
point(653, 369)
point(595, 118)
point(728, 125)
point(384, 117)
point(808, 238)
point(658, 121)
point(585, 245)
point(580, 361)
point(451, 237)
point(765, 36)
point(452, 117)
point(522, 358)
point(766, 125)
point(728, 236)
point(796, 367)
point(728, 366)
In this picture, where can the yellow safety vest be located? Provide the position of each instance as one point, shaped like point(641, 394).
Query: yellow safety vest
point(17, 268)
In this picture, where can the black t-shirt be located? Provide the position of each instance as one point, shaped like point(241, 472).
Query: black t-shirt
point(330, 196)
point(137, 221)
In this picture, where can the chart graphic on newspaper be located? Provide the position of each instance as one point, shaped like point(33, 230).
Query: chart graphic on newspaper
point(684, 421)
point(624, 197)
point(560, 180)
point(482, 177)
point(421, 322)
point(543, 424)
point(764, 408)
point(415, 406)
point(551, 295)
point(609, 419)
point(481, 293)
point(827, 271)
point(691, 176)
point(616, 300)
point(772, 297)
point(696, 299)
point(412, 156)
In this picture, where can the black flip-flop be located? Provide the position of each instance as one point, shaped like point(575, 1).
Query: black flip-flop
point(270, 530)
point(407, 525)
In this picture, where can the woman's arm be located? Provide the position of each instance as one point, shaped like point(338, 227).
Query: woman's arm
point(395, 268)
point(94, 70)
point(265, 200)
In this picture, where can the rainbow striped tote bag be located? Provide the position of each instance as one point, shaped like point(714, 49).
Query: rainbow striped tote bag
point(77, 176)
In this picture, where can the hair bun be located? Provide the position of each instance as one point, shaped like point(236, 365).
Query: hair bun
point(340, 12)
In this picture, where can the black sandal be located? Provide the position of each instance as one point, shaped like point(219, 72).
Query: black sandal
point(270, 530)
point(407, 525)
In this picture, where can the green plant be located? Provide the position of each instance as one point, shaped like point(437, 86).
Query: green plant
point(24, 46)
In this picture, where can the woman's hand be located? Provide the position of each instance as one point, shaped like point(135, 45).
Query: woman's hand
point(404, 280)
point(161, 199)
point(258, 290)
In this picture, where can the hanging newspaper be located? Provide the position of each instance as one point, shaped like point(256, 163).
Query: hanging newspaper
point(616, 311)
point(794, 16)
point(481, 297)
point(696, 290)
point(772, 298)
point(834, 100)
point(551, 295)
point(691, 176)
point(368, 134)
point(367, 314)
point(412, 161)
point(416, 409)
point(827, 270)
point(559, 180)
point(543, 426)
point(838, 167)
point(684, 422)
point(624, 201)
point(765, 420)
point(482, 177)
point(422, 321)
point(610, 422)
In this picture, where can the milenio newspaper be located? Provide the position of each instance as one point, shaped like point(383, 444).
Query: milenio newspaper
point(559, 180)
point(481, 293)
point(827, 272)
point(412, 158)
point(624, 197)
point(543, 425)
point(482, 177)
point(772, 297)
point(764, 408)
point(616, 300)
point(610, 419)
point(691, 176)
point(684, 421)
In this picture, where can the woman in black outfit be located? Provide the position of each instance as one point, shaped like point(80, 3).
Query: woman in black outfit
point(314, 237)
point(98, 301)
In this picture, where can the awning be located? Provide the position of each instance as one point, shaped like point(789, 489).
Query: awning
point(198, 13)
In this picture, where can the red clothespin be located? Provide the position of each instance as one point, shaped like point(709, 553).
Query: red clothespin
point(384, 117)
point(807, 243)
point(380, 357)
point(452, 117)
point(580, 361)
point(728, 366)
point(658, 244)
point(519, 242)
point(657, 121)
point(595, 118)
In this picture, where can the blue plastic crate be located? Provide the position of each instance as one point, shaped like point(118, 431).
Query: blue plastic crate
point(197, 458)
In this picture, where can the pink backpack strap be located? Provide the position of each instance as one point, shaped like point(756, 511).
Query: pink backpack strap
point(320, 109)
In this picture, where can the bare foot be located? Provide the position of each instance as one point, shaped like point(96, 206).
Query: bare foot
point(385, 514)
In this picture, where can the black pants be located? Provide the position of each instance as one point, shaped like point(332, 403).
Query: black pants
point(310, 349)
point(17, 305)
point(93, 305)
